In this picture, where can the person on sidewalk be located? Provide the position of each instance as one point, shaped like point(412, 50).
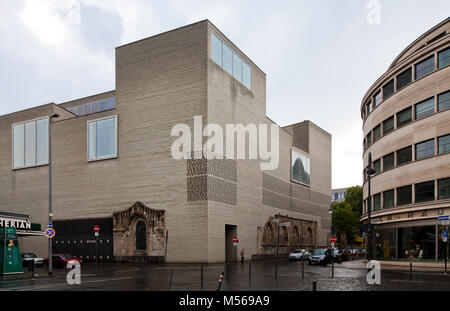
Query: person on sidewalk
point(242, 255)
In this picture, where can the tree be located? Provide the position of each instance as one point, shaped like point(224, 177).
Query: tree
point(346, 215)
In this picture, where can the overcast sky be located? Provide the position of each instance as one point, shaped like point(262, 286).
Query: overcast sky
point(320, 56)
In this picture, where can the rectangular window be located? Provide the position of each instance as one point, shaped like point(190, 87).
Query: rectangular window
point(404, 155)
point(237, 68)
point(301, 168)
point(388, 125)
point(388, 89)
point(444, 189)
point(246, 76)
point(404, 195)
point(30, 143)
point(377, 99)
point(424, 192)
point(444, 101)
point(369, 140)
point(424, 108)
point(388, 199)
point(444, 58)
point(377, 202)
point(404, 117)
point(377, 133)
point(216, 50)
point(102, 138)
point(444, 144)
point(377, 166)
point(404, 78)
point(388, 162)
point(425, 149)
point(369, 107)
point(227, 59)
point(425, 67)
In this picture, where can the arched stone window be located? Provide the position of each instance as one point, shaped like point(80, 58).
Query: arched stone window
point(141, 236)
point(268, 235)
point(295, 237)
point(309, 237)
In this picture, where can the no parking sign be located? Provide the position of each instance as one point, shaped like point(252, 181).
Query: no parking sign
point(50, 232)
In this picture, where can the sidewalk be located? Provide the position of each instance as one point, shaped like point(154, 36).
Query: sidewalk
point(398, 265)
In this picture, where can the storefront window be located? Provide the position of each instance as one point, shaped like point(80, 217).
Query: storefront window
point(417, 243)
point(385, 244)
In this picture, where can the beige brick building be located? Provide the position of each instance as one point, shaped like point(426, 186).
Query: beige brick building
point(407, 131)
point(113, 167)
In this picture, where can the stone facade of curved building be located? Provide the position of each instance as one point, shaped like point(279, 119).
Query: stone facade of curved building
point(406, 128)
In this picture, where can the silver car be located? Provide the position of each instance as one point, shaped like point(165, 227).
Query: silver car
point(27, 257)
point(299, 254)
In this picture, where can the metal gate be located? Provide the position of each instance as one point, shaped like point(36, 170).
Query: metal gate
point(76, 237)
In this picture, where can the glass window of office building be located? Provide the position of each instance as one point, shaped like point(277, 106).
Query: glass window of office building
point(425, 67)
point(404, 195)
point(425, 149)
point(404, 78)
point(444, 189)
point(388, 199)
point(301, 168)
point(444, 101)
point(377, 99)
point(424, 191)
point(388, 161)
point(404, 155)
point(377, 202)
point(444, 144)
point(30, 143)
point(388, 125)
point(404, 117)
point(424, 109)
point(377, 166)
point(377, 133)
point(388, 89)
point(444, 58)
point(102, 138)
point(369, 140)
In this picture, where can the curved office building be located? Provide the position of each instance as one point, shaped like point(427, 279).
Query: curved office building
point(406, 116)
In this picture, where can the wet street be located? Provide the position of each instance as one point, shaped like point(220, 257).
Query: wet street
point(129, 277)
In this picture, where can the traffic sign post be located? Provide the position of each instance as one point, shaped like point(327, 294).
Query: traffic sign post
point(235, 241)
point(97, 233)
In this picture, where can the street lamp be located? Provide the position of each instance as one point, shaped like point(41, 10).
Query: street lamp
point(369, 171)
point(50, 197)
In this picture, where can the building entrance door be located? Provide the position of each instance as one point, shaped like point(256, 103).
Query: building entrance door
point(230, 250)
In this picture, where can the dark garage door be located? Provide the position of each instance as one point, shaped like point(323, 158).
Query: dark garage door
point(76, 237)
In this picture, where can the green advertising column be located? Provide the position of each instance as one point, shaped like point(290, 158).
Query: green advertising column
point(10, 260)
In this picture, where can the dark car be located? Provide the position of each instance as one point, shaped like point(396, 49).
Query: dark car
point(324, 256)
point(61, 260)
point(28, 257)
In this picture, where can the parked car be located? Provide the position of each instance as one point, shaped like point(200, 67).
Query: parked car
point(299, 254)
point(61, 260)
point(326, 255)
point(28, 257)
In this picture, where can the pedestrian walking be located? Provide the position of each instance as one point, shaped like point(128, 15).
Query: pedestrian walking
point(242, 255)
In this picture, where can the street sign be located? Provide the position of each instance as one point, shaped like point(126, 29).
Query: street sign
point(235, 241)
point(333, 239)
point(444, 220)
point(96, 229)
point(285, 224)
point(445, 236)
point(50, 233)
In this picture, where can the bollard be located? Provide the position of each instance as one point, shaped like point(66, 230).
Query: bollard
point(332, 269)
point(249, 276)
point(201, 278)
point(171, 278)
point(314, 286)
point(410, 271)
point(220, 281)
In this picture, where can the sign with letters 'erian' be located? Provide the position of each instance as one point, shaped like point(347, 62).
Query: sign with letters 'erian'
point(24, 224)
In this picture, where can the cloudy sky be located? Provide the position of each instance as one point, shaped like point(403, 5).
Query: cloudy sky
point(320, 56)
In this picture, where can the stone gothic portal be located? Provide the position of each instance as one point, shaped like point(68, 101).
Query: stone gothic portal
point(139, 234)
